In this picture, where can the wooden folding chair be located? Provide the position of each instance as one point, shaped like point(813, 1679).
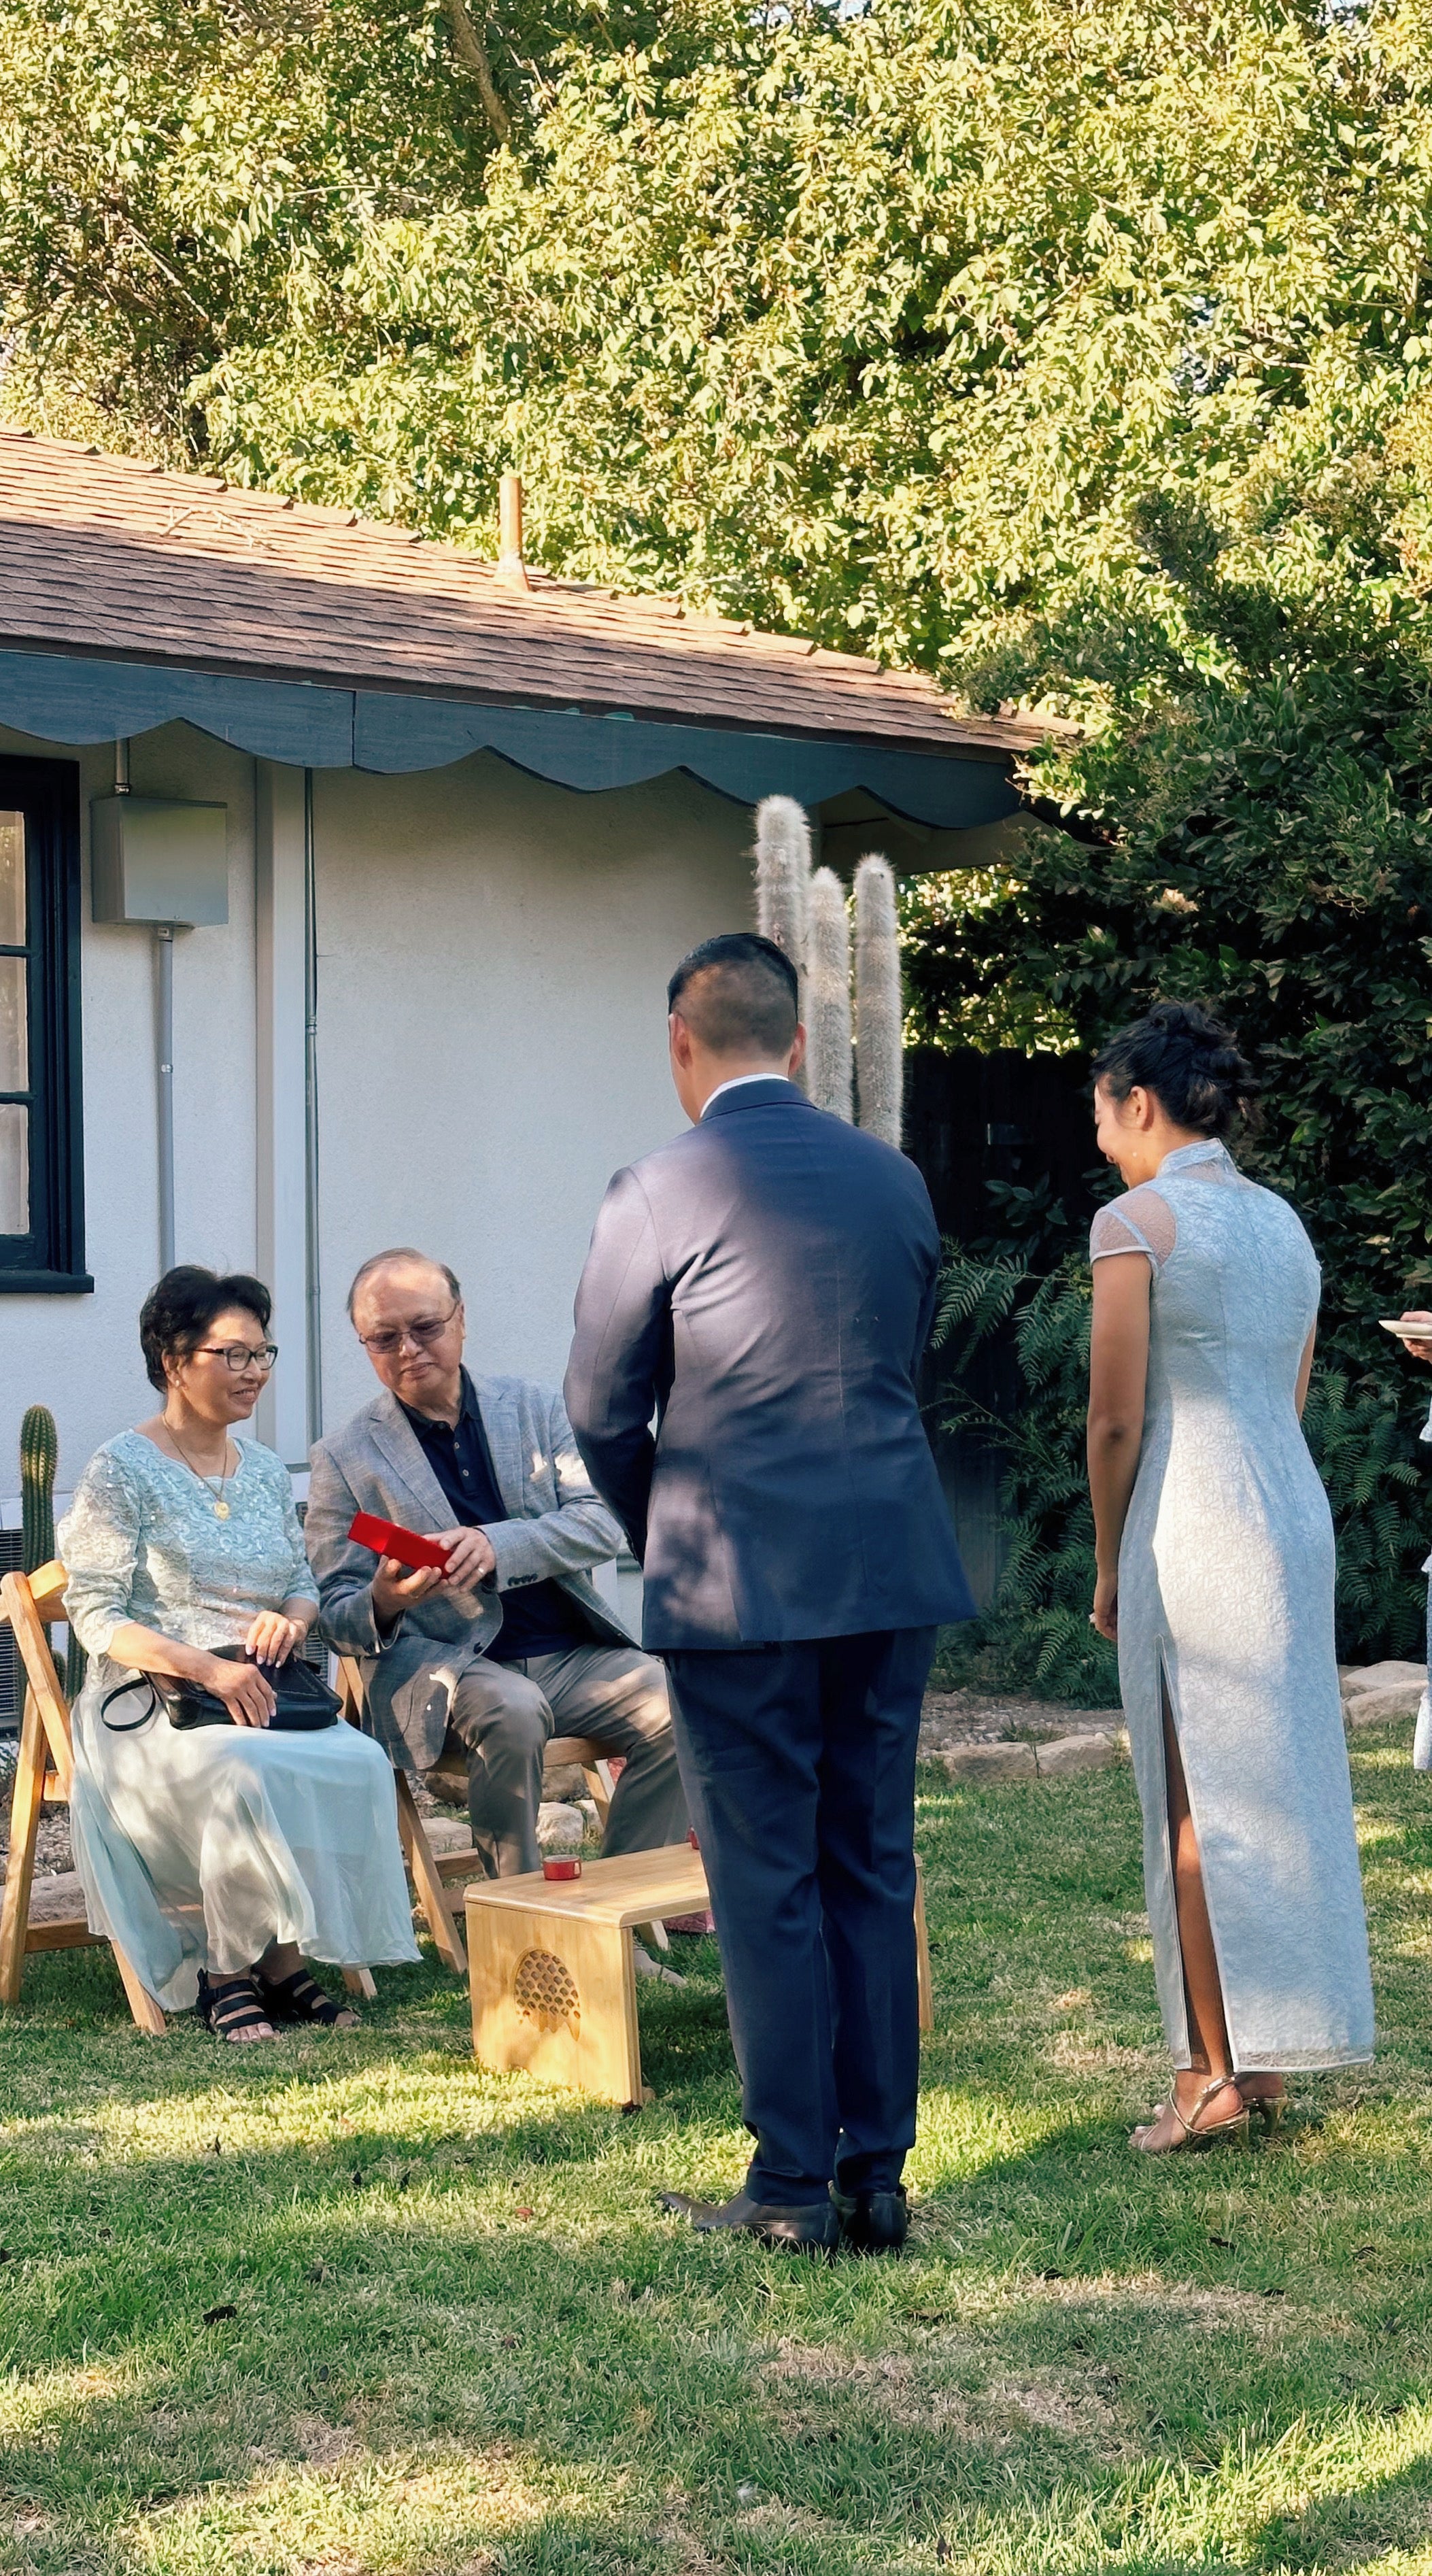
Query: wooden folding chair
point(438, 1876)
point(45, 1773)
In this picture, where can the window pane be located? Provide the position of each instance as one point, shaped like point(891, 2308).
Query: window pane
point(12, 880)
point(14, 1169)
point(14, 1048)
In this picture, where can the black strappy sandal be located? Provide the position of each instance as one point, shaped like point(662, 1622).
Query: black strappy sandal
point(298, 1998)
point(228, 2006)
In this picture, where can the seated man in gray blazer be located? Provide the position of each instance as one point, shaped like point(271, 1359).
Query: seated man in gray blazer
point(475, 1669)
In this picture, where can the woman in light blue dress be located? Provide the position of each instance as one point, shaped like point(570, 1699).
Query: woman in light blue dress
point(218, 1857)
point(1215, 1575)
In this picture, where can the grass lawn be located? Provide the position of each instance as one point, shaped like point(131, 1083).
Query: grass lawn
point(350, 2305)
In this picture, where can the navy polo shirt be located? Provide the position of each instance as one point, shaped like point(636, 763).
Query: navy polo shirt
point(537, 1618)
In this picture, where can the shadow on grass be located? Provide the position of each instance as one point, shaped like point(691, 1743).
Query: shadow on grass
point(494, 2338)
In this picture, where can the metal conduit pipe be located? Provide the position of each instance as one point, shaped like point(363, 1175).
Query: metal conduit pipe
point(313, 1282)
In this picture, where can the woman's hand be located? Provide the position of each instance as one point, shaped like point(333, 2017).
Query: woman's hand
point(1417, 1315)
point(1105, 1613)
point(246, 1694)
point(273, 1637)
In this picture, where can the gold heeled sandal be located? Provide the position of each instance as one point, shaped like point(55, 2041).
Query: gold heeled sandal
point(1270, 2108)
point(1193, 2137)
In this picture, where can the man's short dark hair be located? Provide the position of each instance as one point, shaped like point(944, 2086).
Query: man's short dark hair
point(400, 1252)
point(738, 995)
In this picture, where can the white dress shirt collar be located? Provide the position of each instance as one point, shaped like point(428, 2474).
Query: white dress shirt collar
point(735, 1084)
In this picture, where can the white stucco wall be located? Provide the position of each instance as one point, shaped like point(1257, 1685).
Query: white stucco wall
point(493, 953)
point(80, 1355)
point(493, 956)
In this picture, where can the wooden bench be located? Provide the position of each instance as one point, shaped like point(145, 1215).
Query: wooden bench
point(553, 1977)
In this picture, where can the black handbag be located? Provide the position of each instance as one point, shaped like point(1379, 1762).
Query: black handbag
point(305, 1702)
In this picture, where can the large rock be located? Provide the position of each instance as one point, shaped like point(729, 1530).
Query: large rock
point(55, 1896)
point(979, 1762)
point(447, 1833)
point(1093, 1752)
point(1373, 1693)
point(559, 1828)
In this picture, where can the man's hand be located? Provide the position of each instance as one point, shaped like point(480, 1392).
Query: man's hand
point(398, 1587)
point(1418, 1315)
point(470, 1557)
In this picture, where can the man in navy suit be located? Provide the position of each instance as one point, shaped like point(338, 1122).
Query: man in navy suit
point(764, 1286)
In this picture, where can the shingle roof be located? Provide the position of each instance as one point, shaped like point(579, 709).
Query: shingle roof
point(104, 555)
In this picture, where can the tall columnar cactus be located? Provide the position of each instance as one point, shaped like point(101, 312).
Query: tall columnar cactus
point(783, 875)
point(828, 995)
point(39, 1457)
point(878, 1012)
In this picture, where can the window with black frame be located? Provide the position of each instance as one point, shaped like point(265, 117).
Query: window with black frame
point(41, 1179)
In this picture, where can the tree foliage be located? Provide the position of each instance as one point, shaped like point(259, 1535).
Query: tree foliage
point(1081, 355)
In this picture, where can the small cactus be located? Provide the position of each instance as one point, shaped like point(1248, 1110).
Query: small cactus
point(828, 995)
point(39, 1458)
point(879, 1015)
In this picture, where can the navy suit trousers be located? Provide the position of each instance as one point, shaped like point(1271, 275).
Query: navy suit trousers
point(799, 1768)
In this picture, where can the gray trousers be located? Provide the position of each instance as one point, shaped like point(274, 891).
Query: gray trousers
point(503, 1715)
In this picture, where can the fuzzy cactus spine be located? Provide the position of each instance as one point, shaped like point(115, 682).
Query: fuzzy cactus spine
point(828, 1064)
point(879, 1014)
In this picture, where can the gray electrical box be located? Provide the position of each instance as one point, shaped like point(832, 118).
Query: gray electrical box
point(156, 858)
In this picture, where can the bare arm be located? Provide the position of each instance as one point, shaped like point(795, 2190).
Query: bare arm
point(1118, 1373)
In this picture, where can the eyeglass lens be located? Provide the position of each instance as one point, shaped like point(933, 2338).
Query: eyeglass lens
point(239, 1355)
point(425, 1331)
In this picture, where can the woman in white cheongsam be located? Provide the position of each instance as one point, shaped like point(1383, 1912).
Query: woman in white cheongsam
point(219, 1857)
point(1215, 1575)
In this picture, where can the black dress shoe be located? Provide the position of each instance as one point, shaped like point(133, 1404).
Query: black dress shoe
point(811, 2227)
point(872, 2222)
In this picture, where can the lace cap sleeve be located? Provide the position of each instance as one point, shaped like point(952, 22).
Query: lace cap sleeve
point(1141, 1222)
point(99, 1542)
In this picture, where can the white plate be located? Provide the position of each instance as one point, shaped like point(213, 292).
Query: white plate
point(1407, 1332)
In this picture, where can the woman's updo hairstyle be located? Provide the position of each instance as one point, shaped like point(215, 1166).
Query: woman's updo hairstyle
point(176, 1315)
point(1189, 1061)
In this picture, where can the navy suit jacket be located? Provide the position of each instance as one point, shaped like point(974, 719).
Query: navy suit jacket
point(764, 1285)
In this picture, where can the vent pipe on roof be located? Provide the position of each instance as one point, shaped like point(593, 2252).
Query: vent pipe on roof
point(509, 550)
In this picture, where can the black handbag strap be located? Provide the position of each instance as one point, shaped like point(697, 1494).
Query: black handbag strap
point(138, 1681)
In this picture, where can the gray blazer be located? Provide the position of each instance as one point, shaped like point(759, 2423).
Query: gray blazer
point(764, 1285)
point(556, 1528)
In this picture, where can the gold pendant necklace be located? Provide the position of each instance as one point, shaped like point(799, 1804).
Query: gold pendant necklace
point(221, 1508)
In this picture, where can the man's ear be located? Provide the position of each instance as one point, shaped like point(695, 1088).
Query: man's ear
point(798, 1051)
point(680, 1040)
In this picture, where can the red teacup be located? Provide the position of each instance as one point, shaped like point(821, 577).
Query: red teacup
point(562, 1866)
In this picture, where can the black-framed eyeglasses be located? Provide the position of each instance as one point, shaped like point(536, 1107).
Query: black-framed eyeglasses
point(422, 1334)
point(238, 1356)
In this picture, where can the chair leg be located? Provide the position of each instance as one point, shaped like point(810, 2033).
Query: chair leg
point(600, 1786)
point(26, 1807)
point(359, 1981)
point(147, 2013)
point(653, 1936)
point(432, 1895)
